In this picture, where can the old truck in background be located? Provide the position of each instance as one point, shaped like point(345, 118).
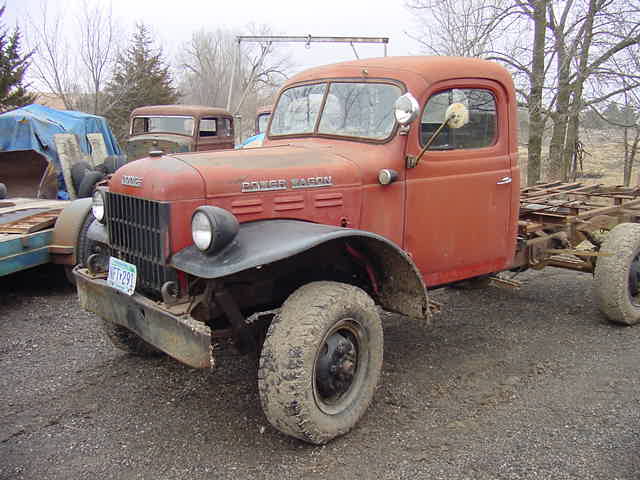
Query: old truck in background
point(261, 123)
point(262, 118)
point(379, 180)
point(178, 128)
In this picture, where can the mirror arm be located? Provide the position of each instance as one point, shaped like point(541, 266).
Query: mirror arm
point(412, 162)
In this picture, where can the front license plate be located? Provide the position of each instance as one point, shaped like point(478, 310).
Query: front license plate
point(122, 275)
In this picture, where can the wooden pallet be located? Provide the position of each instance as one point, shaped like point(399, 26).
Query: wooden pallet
point(32, 223)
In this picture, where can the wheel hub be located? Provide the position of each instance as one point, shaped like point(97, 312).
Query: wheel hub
point(336, 366)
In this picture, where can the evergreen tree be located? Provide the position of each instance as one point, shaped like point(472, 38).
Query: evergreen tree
point(13, 66)
point(141, 77)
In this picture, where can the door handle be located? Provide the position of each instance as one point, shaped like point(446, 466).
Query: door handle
point(504, 181)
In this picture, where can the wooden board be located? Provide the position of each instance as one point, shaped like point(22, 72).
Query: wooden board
point(31, 223)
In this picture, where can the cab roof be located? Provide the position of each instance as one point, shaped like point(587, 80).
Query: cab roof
point(190, 110)
point(431, 69)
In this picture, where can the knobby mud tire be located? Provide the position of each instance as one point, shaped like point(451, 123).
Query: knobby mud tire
point(85, 245)
point(611, 277)
point(78, 171)
point(88, 183)
point(296, 336)
point(127, 341)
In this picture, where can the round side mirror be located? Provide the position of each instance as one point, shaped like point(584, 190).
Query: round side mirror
point(406, 109)
point(456, 115)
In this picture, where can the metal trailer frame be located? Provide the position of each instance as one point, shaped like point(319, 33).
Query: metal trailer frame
point(561, 224)
point(26, 232)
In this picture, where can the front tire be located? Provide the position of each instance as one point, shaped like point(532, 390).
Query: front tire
point(617, 275)
point(321, 361)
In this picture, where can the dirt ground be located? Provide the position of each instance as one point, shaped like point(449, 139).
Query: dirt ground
point(507, 384)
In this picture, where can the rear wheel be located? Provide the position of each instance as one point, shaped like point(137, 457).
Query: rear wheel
point(321, 361)
point(617, 275)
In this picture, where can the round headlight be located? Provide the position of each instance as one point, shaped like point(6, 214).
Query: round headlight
point(97, 207)
point(201, 231)
point(213, 228)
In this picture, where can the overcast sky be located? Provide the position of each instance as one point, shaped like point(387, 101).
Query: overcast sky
point(173, 22)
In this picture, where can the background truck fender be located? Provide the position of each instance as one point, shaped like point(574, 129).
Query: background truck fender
point(66, 230)
point(266, 241)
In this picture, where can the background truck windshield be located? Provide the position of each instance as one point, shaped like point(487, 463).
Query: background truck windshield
point(181, 125)
point(362, 110)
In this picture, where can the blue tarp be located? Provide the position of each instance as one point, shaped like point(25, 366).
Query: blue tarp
point(32, 128)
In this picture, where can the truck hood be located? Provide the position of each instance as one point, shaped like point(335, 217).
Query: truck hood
point(158, 178)
point(140, 145)
point(285, 167)
point(235, 172)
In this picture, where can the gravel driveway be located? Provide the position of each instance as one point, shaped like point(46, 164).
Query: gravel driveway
point(507, 384)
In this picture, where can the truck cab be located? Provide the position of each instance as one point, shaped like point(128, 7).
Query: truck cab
point(178, 128)
point(456, 211)
point(378, 179)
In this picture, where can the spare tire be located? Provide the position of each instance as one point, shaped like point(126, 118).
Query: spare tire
point(3, 191)
point(89, 181)
point(78, 171)
point(113, 163)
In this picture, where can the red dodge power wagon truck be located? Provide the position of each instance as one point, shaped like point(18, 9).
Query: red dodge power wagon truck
point(378, 180)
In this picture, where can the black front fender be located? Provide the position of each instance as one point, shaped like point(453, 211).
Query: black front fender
point(267, 241)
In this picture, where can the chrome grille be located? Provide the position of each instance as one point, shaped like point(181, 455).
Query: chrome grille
point(138, 234)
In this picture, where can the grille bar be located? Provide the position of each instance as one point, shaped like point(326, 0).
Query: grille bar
point(138, 234)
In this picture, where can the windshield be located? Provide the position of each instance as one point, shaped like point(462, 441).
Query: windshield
point(173, 124)
point(351, 109)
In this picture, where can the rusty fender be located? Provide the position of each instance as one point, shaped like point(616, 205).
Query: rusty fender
point(170, 329)
point(66, 230)
point(266, 241)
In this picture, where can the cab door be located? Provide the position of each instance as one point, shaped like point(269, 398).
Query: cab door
point(458, 198)
point(215, 133)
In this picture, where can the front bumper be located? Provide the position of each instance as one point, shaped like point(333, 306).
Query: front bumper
point(170, 329)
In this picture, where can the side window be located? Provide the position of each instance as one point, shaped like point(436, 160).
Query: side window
point(208, 127)
point(480, 131)
point(139, 126)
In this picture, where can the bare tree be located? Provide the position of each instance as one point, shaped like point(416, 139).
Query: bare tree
point(591, 43)
point(557, 52)
point(73, 60)
point(98, 50)
point(460, 28)
point(53, 64)
point(206, 69)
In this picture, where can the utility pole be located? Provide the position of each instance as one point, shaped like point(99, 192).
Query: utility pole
point(308, 40)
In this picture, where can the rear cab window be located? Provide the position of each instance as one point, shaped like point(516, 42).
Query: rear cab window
point(208, 127)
